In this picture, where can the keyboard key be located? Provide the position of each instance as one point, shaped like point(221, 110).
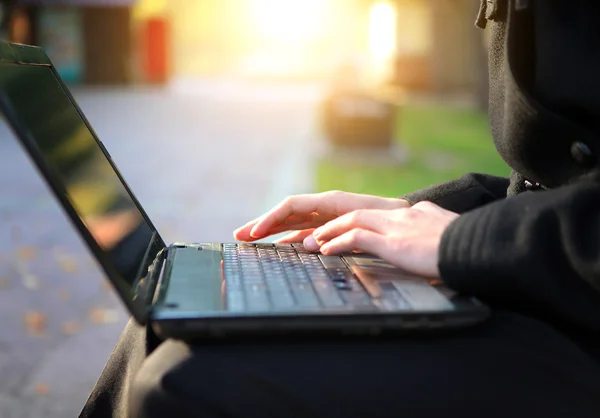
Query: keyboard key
point(257, 301)
point(235, 300)
point(342, 285)
point(356, 299)
point(340, 275)
point(327, 293)
point(284, 303)
point(263, 276)
point(331, 262)
point(304, 294)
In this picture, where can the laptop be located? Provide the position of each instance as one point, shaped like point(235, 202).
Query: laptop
point(190, 290)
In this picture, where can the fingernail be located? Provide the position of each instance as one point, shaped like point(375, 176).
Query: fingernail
point(310, 243)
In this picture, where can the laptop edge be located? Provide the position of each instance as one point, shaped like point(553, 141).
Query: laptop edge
point(17, 54)
point(189, 325)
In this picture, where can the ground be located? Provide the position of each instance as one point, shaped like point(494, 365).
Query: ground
point(203, 157)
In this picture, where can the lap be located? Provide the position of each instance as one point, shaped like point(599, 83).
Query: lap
point(510, 365)
point(110, 396)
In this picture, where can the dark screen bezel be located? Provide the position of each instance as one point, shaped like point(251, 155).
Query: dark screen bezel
point(17, 55)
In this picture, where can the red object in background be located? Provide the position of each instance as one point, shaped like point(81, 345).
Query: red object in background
point(155, 52)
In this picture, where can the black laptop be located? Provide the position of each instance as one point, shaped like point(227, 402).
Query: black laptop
point(203, 289)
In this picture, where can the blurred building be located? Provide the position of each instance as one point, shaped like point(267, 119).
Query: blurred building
point(89, 41)
point(423, 45)
point(427, 45)
point(438, 47)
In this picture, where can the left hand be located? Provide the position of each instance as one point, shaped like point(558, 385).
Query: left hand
point(408, 238)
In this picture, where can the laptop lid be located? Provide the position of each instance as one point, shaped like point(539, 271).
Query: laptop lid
point(60, 141)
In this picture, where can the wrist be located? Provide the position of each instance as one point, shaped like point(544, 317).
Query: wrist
point(397, 203)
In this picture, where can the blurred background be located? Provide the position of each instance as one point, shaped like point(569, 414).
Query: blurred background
point(215, 110)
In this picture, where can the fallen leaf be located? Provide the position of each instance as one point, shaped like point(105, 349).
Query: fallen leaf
point(68, 266)
point(64, 295)
point(70, 327)
point(31, 282)
point(35, 323)
point(103, 316)
point(26, 253)
point(41, 389)
point(66, 263)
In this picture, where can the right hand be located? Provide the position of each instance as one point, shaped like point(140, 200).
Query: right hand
point(303, 213)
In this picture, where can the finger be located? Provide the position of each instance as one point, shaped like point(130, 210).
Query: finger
point(357, 239)
point(293, 222)
point(243, 232)
point(294, 237)
point(300, 205)
point(299, 219)
point(414, 259)
point(298, 227)
point(372, 220)
point(281, 228)
point(311, 244)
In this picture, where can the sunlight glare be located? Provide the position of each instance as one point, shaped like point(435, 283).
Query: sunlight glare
point(289, 21)
point(382, 30)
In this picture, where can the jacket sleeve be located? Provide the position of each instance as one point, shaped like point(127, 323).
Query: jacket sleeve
point(463, 194)
point(538, 252)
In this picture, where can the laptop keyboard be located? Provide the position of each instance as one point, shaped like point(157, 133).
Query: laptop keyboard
point(267, 277)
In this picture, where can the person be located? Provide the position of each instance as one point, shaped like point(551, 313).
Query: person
point(529, 246)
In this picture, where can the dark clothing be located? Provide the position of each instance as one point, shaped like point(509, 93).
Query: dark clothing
point(463, 194)
point(538, 252)
point(510, 366)
point(110, 397)
point(531, 252)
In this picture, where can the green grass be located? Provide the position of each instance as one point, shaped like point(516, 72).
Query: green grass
point(443, 143)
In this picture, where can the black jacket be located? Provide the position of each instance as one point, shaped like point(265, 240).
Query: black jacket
point(535, 249)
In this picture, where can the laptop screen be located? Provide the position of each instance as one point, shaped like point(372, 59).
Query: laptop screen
point(48, 119)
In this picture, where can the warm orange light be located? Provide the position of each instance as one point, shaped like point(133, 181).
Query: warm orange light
point(146, 8)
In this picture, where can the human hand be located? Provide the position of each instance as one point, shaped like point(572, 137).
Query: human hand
point(408, 238)
point(303, 213)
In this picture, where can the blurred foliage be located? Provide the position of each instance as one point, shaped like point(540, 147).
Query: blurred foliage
point(442, 143)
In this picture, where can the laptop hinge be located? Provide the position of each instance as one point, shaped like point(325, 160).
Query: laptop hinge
point(149, 272)
point(155, 274)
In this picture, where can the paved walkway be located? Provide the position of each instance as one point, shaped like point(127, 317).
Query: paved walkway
point(202, 157)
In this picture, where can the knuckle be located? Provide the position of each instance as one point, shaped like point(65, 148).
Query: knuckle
point(408, 214)
point(355, 235)
point(399, 245)
point(356, 215)
point(291, 201)
point(287, 201)
point(333, 194)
